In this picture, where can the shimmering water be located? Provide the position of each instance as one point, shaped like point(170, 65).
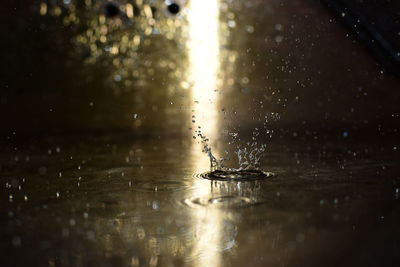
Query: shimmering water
point(106, 106)
point(111, 201)
point(238, 175)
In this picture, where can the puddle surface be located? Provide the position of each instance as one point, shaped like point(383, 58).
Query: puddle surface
point(103, 209)
point(236, 175)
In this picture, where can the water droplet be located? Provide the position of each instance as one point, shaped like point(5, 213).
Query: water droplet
point(278, 27)
point(155, 205)
point(72, 222)
point(249, 29)
point(117, 78)
point(279, 38)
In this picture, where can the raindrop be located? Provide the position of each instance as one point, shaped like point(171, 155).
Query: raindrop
point(155, 205)
point(72, 222)
point(278, 38)
point(278, 27)
point(249, 29)
point(117, 78)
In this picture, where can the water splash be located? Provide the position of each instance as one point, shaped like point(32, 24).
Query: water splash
point(249, 154)
point(250, 158)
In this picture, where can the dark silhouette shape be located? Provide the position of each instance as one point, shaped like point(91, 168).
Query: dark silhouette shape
point(111, 10)
point(174, 8)
point(372, 23)
point(153, 9)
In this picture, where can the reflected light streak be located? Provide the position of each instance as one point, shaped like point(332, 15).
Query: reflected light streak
point(203, 49)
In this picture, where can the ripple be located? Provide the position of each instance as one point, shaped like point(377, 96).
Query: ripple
point(221, 201)
point(159, 186)
point(242, 175)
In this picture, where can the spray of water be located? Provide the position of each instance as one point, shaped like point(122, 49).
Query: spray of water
point(248, 154)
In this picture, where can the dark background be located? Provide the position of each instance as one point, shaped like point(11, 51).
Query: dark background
point(321, 77)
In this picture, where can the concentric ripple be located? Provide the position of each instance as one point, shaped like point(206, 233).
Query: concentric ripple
point(159, 186)
point(221, 201)
point(242, 175)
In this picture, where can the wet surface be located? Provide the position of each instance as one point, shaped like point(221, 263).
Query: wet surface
point(107, 107)
point(236, 175)
point(94, 201)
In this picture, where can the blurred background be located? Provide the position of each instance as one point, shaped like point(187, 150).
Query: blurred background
point(101, 66)
point(106, 105)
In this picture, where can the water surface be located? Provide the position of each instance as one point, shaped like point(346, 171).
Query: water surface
point(123, 201)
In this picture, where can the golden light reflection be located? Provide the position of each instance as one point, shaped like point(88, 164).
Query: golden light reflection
point(203, 52)
point(203, 48)
point(43, 9)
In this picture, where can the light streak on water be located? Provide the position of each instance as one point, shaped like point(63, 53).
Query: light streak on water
point(203, 53)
